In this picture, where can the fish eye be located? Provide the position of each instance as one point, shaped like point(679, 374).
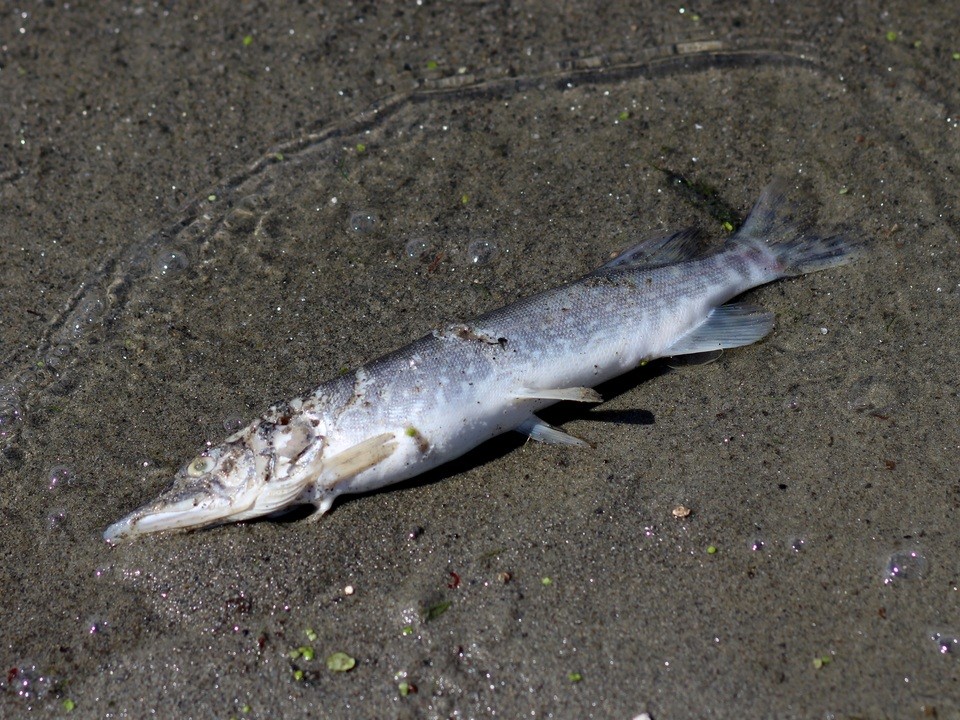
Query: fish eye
point(200, 466)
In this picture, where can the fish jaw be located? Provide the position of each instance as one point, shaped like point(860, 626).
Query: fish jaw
point(178, 509)
point(200, 507)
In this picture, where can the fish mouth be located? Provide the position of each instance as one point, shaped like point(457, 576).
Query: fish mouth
point(195, 507)
point(177, 510)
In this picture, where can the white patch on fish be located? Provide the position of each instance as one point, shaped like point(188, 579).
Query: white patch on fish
point(455, 388)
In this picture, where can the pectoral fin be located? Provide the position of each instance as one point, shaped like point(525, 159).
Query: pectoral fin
point(540, 431)
point(577, 394)
point(346, 464)
point(362, 456)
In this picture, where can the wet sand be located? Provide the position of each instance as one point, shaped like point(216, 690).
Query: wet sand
point(209, 209)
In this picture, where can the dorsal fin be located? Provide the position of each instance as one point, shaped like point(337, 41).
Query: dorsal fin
point(659, 252)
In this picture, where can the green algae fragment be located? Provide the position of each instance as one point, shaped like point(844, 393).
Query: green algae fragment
point(711, 549)
point(624, 115)
point(819, 662)
point(844, 190)
point(407, 630)
point(956, 56)
point(727, 226)
point(546, 581)
point(404, 689)
point(464, 199)
point(246, 709)
point(298, 675)
point(311, 634)
point(412, 432)
point(304, 651)
point(891, 36)
point(211, 198)
point(574, 677)
point(68, 705)
point(247, 40)
point(435, 611)
point(361, 148)
point(340, 662)
point(432, 65)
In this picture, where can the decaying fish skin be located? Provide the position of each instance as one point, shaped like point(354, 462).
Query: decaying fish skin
point(459, 386)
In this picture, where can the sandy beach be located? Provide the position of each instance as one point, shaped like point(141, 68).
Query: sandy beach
point(211, 207)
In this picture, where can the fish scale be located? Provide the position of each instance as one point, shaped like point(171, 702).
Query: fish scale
point(453, 389)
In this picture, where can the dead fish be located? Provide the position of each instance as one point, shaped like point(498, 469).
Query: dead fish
point(446, 393)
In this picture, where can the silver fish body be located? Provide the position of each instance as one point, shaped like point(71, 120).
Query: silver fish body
point(446, 393)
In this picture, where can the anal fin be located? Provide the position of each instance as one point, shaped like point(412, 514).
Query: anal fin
point(537, 429)
point(727, 326)
point(577, 394)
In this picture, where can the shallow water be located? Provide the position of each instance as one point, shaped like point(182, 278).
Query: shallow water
point(816, 575)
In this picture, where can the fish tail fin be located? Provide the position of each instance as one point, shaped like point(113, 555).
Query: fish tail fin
point(783, 228)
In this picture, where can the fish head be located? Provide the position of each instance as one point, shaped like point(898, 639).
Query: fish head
point(264, 468)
